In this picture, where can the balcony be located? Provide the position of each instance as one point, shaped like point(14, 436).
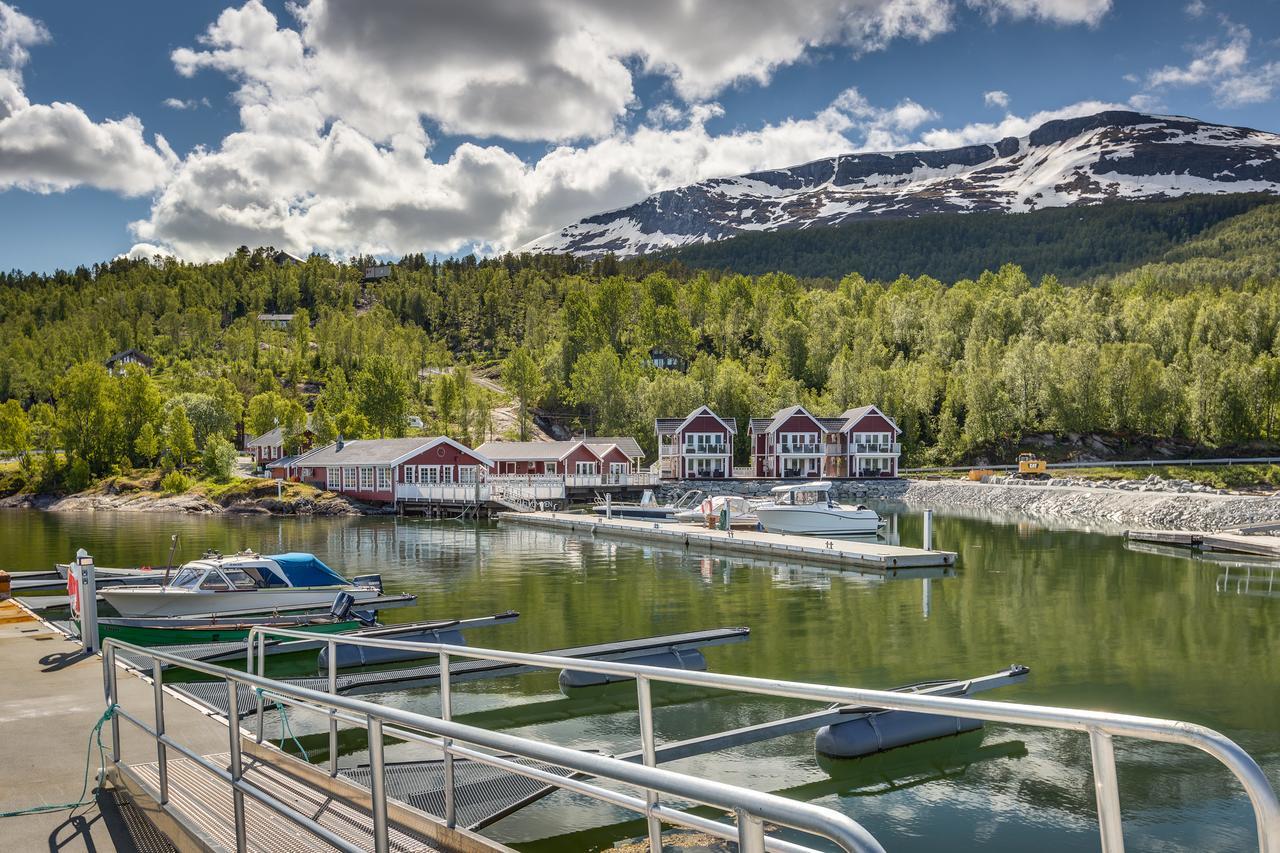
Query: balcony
point(800, 449)
point(706, 450)
point(879, 447)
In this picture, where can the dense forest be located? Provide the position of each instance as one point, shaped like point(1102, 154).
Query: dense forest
point(1071, 243)
point(1184, 346)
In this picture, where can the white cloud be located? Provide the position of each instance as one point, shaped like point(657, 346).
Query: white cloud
point(188, 104)
point(1011, 125)
point(1057, 11)
point(996, 98)
point(1195, 8)
point(54, 147)
point(1224, 66)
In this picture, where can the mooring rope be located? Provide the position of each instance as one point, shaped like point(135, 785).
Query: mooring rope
point(286, 730)
point(85, 799)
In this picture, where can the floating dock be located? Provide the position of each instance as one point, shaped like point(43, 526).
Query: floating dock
point(1229, 541)
point(851, 553)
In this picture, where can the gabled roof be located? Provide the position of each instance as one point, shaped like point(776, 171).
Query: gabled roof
point(536, 451)
point(731, 426)
point(268, 439)
point(381, 451)
point(852, 416)
point(284, 461)
point(832, 424)
point(138, 355)
point(627, 444)
point(282, 257)
point(781, 416)
point(759, 425)
point(667, 426)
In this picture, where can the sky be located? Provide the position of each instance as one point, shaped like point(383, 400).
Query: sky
point(393, 126)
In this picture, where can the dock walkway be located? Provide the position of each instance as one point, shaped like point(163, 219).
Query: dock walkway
point(1229, 541)
point(852, 553)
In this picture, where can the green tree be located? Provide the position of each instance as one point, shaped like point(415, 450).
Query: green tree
point(146, 446)
point(180, 439)
point(523, 379)
point(218, 458)
point(384, 396)
point(15, 429)
point(89, 417)
point(264, 413)
point(140, 407)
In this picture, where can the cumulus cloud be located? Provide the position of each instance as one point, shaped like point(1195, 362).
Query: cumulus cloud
point(333, 152)
point(1011, 125)
point(187, 104)
point(1057, 11)
point(996, 99)
point(53, 147)
point(1223, 65)
point(1196, 8)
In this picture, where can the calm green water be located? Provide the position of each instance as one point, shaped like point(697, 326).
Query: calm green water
point(1099, 625)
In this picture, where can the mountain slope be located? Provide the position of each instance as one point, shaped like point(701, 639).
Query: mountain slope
point(1070, 243)
point(1086, 160)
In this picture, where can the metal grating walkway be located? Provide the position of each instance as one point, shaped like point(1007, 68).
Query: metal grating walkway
point(213, 694)
point(204, 802)
point(482, 793)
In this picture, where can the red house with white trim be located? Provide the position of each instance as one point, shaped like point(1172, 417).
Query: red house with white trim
point(862, 442)
point(269, 446)
point(601, 460)
point(375, 470)
point(697, 446)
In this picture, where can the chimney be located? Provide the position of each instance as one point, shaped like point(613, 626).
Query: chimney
point(341, 443)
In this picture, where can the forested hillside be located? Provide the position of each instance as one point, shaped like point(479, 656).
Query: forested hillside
point(1185, 346)
point(1072, 243)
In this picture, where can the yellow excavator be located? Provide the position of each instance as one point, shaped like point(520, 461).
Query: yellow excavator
point(1031, 467)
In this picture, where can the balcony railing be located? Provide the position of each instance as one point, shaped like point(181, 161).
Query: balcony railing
point(800, 449)
point(706, 449)
point(878, 447)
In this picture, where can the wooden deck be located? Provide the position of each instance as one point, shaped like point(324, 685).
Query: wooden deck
point(852, 553)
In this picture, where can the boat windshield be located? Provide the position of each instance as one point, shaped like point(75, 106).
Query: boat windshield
point(213, 580)
point(186, 578)
point(240, 579)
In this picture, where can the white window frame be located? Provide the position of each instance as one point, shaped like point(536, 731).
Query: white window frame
point(410, 473)
point(586, 469)
point(384, 478)
point(429, 474)
point(366, 478)
point(446, 475)
point(333, 479)
point(349, 479)
point(467, 475)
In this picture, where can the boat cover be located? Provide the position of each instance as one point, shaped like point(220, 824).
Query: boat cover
point(306, 569)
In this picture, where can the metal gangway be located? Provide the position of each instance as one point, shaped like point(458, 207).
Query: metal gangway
point(751, 808)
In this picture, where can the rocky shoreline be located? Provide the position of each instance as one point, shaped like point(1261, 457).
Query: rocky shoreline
point(325, 505)
point(1172, 505)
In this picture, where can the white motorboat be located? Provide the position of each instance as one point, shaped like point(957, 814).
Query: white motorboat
point(742, 511)
point(807, 509)
point(649, 509)
point(242, 583)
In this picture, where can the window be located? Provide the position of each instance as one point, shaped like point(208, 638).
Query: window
point(587, 469)
point(240, 579)
point(384, 479)
point(467, 474)
point(410, 473)
point(333, 479)
point(429, 474)
point(349, 479)
point(215, 581)
point(446, 473)
point(366, 479)
point(186, 578)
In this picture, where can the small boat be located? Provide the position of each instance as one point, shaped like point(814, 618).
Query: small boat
point(649, 509)
point(742, 511)
point(182, 631)
point(243, 583)
point(807, 509)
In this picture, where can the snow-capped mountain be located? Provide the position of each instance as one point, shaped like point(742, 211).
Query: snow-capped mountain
point(1110, 155)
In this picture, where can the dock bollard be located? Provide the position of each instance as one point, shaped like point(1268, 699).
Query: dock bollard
point(927, 544)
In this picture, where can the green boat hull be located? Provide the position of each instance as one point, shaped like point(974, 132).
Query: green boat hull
point(146, 636)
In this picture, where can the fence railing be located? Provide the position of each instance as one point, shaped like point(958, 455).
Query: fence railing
point(456, 740)
point(1100, 726)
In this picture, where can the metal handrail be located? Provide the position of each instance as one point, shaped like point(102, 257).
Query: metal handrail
point(1101, 726)
point(752, 808)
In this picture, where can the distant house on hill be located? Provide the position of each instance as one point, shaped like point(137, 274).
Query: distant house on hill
point(276, 321)
point(269, 446)
point(117, 363)
point(373, 275)
point(286, 259)
point(666, 361)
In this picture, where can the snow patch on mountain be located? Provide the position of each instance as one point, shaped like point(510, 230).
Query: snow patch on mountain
point(1079, 161)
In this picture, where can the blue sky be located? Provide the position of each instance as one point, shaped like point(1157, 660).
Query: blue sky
point(389, 127)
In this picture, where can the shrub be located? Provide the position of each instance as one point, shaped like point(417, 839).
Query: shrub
point(175, 483)
point(218, 458)
point(77, 477)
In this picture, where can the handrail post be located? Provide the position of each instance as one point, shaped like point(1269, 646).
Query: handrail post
point(750, 833)
point(333, 712)
point(113, 698)
point(644, 702)
point(262, 710)
point(236, 768)
point(162, 757)
point(1107, 788)
point(446, 713)
point(378, 786)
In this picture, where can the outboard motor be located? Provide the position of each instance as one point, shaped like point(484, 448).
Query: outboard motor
point(369, 580)
point(341, 606)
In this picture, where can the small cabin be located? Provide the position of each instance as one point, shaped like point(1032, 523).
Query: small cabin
point(697, 446)
point(118, 362)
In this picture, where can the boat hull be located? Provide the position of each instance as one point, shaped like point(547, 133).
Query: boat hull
point(166, 601)
point(640, 512)
point(156, 636)
point(817, 521)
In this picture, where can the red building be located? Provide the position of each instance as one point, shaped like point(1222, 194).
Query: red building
point(582, 461)
point(269, 447)
point(380, 470)
point(862, 442)
point(697, 446)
